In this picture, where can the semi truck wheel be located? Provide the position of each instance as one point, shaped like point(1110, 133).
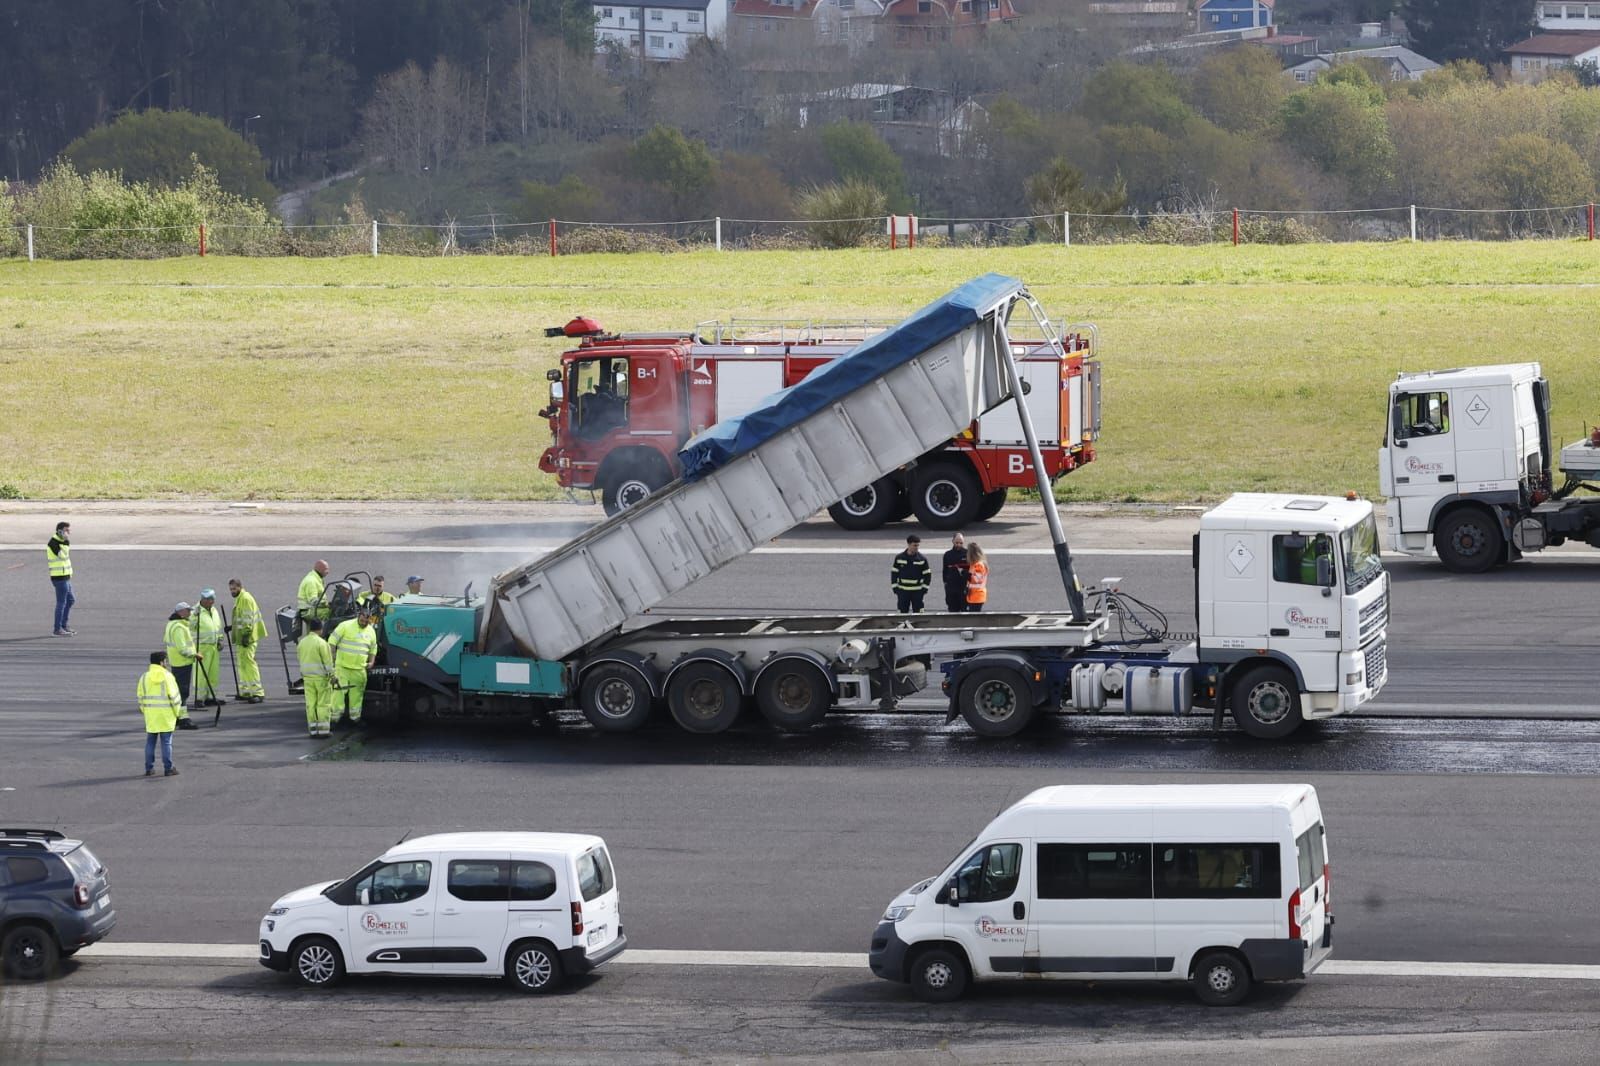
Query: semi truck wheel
point(1266, 702)
point(995, 701)
point(869, 507)
point(946, 494)
point(991, 505)
point(793, 694)
point(1469, 541)
point(704, 698)
point(614, 698)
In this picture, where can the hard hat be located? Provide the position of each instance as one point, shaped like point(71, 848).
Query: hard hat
point(208, 594)
point(182, 607)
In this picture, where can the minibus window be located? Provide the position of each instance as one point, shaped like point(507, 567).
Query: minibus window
point(990, 874)
point(479, 880)
point(1217, 871)
point(1094, 871)
point(1313, 855)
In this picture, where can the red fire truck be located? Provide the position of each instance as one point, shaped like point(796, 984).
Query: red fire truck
point(621, 405)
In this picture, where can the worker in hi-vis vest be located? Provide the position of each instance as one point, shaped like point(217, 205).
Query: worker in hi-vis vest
point(249, 629)
point(355, 649)
point(180, 657)
point(316, 671)
point(58, 556)
point(208, 630)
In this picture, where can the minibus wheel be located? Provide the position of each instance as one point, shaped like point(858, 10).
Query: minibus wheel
point(1221, 979)
point(938, 975)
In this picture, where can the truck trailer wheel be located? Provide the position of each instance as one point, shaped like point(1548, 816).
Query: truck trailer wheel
point(704, 698)
point(1266, 702)
point(869, 507)
point(995, 701)
point(793, 694)
point(946, 494)
point(992, 502)
point(615, 698)
point(1469, 541)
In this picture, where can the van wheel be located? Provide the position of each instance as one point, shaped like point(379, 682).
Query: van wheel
point(793, 694)
point(869, 507)
point(946, 494)
point(1266, 703)
point(1469, 541)
point(704, 698)
point(30, 953)
point(316, 963)
point(533, 967)
point(995, 701)
point(991, 505)
point(614, 698)
point(1221, 979)
point(939, 975)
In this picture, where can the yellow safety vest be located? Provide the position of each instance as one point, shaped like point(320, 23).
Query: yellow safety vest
point(159, 700)
point(207, 625)
point(60, 562)
point(180, 643)
point(311, 587)
point(353, 645)
point(247, 620)
point(316, 658)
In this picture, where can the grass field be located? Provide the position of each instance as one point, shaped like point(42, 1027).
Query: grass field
point(1225, 368)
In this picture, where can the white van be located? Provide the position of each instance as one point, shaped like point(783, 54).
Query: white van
point(529, 907)
point(1221, 885)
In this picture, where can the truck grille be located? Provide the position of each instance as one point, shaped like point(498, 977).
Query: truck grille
point(1377, 663)
point(1374, 616)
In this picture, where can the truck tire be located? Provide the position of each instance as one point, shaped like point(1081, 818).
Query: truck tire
point(1265, 701)
point(704, 698)
point(991, 505)
point(614, 698)
point(1469, 541)
point(995, 701)
point(946, 494)
point(869, 507)
point(793, 694)
point(629, 482)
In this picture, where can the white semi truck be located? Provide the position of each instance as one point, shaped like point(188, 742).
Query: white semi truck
point(1292, 601)
point(1467, 463)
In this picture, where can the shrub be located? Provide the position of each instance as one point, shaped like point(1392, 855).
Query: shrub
point(843, 214)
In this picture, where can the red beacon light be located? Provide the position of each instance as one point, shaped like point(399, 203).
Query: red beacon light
point(581, 326)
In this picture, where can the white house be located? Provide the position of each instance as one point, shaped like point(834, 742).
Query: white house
point(1531, 58)
point(664, 29)
point(1569, 16)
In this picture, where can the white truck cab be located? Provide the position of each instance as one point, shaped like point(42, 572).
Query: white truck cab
point(1292, 587)
point(529, 907)
point(1464, 452)
point(1219, 885)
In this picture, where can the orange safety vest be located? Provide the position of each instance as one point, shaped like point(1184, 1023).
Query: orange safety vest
point(978, 583)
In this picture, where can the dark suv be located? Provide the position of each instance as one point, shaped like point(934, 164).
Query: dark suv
point(54, 899)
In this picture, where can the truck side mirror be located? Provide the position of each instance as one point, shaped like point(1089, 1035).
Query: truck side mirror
point(557, 390)
point(1325, 574)
point(952, 893)
point(365, 897)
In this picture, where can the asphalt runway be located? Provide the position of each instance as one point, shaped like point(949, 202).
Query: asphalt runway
point(1458, 812)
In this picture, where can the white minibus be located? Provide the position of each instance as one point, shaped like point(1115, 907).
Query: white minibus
point(1220, 885)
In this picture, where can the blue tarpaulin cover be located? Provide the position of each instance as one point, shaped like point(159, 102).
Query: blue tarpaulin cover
point(866, 362)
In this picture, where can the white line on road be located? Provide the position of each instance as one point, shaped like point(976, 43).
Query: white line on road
point(845, 960)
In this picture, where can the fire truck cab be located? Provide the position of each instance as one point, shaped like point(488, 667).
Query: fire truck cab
point(622, 405)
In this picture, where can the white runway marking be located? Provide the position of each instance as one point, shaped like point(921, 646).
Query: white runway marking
point(845, 960)
point(521, 550)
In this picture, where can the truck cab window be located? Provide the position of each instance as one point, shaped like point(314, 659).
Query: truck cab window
point(599, 396)
point(1296, 558)
point(991, 874)
point(1421, 414)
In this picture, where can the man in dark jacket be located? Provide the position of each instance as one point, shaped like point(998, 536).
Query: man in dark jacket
point(955, 575)
point(910, 577)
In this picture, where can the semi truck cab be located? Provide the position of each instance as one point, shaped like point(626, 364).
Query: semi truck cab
point(1293, 586)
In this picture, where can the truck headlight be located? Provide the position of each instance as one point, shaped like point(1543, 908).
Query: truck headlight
point(1355, 677)
point(895, 914)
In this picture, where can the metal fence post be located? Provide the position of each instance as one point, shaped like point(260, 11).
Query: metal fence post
point(719, 233)
point(1413, 222)
point(374, 238)
point(1591, 229)
point(1066, 228)
point(552, 238)
point(30, 232)
point(892, 227)
point(1236, 227)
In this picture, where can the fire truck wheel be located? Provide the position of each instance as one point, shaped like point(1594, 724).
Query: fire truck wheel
point(992, 502)
point(946, 495)
point(614, 698)
point(629, 483)
point(867, 508)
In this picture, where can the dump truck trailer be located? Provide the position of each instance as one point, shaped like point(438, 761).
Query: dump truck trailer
point(1291, 614)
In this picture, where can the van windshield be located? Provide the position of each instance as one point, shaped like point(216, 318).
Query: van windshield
point(1313, 855)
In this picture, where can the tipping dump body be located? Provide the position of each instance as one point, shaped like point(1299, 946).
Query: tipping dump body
point(749, 479)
